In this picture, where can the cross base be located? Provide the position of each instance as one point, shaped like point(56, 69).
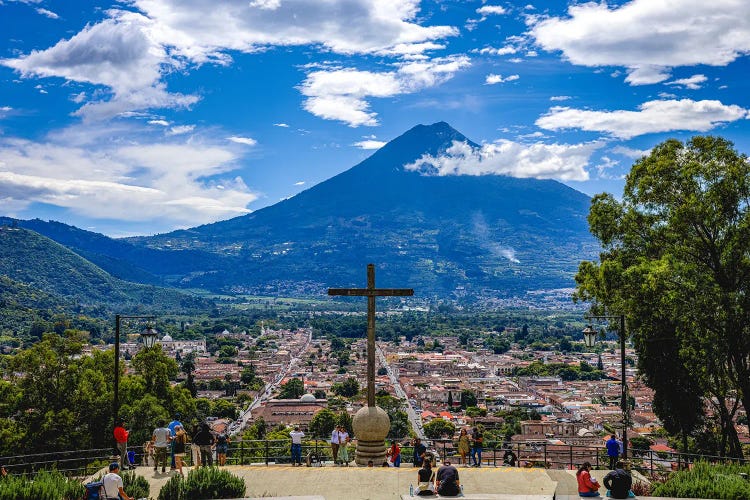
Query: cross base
point(370, 450)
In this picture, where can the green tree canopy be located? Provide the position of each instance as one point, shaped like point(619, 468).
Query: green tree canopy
point(322, 423)
point(675, 261)
point(438, 428)
point(348, 388)
point(292, 389)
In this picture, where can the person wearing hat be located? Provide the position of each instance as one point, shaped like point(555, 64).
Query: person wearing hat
point(112, 482)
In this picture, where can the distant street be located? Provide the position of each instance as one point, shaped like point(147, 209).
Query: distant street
point(264, 394)
point(414, 418)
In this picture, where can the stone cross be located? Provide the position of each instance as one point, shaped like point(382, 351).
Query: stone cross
point(371, 292)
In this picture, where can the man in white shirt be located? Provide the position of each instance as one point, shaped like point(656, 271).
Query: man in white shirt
point(113, 484)
point(335, 445)
point(161, 439)
point(297, 436)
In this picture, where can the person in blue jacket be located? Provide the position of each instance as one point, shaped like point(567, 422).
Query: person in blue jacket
point(613, 451)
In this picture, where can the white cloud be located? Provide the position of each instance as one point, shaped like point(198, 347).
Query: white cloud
point(492, 79)
point(47, 13)
point(488, 10)
point(129, 52)
point(162, 123)
point(369, 144)
point(502, 51)
point(559, 98)
point(282, 125)
point(341, 94)
point(180, 129)
point(142, 181)
point(693, 83)
point(648, 37)
point(634, 154)
point(298, 183)
point(651, 117)
point(247, 141)
point(504, 157)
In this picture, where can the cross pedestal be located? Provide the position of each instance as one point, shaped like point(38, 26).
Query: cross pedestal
point(371, 424)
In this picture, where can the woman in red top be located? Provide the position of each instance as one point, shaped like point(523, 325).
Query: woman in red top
point(587, 486)
point(395, 454)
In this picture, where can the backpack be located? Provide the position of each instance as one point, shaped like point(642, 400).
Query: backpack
point(94, 491)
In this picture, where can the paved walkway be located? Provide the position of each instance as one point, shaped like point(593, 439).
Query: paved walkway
point(362, 483)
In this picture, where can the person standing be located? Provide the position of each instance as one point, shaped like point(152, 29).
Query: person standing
point(446, 481)
point(179, 447)
point(587, 485)
point(335, 445)
point(112, 483)
point(172, 426)
point(344, 441)
point(205, 441)
point(419, 452)
point(394, 453)
point(296, 436)
point(613, 451)
point(476, 447)
point(618, 482)
point(161, 439)
point(222, 447)
point(121, 438)
point(464, 446)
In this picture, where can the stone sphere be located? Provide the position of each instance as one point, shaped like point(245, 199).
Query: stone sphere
point(371, 424)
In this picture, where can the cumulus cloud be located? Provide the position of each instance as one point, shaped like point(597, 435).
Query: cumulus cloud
point(492, 79)
point(693, 83)
point(282, 125)
point(247, 141)
point(651, 117)
point(129, 52)
point(489, 10)
point(501, 51)
point(140, 181)
point(648, 37)
point(162, 123)
point(342, 94)
point(369, 144)
point(504, 157)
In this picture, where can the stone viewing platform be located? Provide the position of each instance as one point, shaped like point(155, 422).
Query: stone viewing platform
point(375, 483)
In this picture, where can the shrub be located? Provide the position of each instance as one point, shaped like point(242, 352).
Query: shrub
point(707, 481)
point(203, 484)
point(134, 485)
point(43, 486)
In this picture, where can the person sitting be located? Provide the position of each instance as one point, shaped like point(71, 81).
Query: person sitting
point(587, 485)
point(425, 480)
point(112, 482)
point(618, 482)
point(446, 481)
point(509, 458)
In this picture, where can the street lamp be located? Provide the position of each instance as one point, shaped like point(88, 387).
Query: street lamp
point(148, 336)
point(589, 338)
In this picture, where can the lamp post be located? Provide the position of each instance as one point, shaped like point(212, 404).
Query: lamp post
point(589, 338)
point(148, 336)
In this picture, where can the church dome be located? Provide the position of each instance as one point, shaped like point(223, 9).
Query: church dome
point(166, 338)
point(307, 398)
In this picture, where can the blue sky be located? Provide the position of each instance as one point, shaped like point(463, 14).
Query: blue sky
point(143, 116)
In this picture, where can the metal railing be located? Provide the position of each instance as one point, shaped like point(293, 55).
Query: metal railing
point(82, 463)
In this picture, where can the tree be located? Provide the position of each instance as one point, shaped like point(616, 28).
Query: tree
point(348, 388)
point(468, 398)
point(292, 389)
point(675, 261)
point(565, 344)
point(188, 367)
point(450, 399)
point(319, 394)
point(345, 420)
point(438, 428)
point(382, 371)
point(474, 411)
point(322, 423)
